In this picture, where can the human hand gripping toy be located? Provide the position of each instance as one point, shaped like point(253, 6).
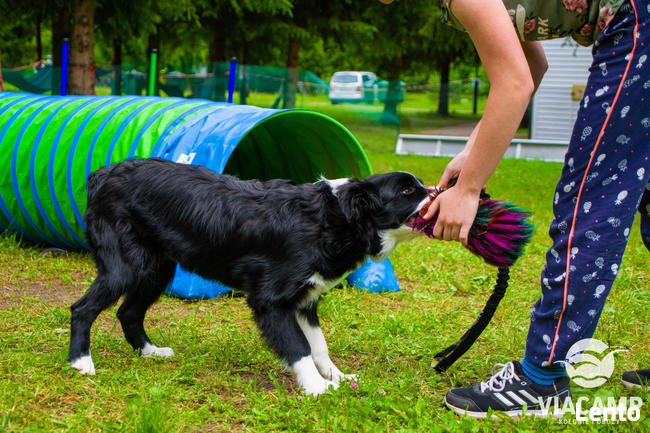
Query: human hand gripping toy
point(499, 233)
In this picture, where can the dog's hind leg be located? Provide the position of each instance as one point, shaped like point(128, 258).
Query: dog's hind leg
point(99, 297)
point(132, 311)
point(307, 318)
point(118, 270)
point(282, 333)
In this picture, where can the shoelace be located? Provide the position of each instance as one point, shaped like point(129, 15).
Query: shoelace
point(498, 381)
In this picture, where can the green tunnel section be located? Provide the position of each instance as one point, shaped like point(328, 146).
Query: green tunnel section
point(278, 148)
point(50, 144)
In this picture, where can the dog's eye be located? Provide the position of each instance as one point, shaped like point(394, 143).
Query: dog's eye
point(408, 190)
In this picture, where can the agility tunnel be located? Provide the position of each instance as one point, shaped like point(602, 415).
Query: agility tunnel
point(50, 144)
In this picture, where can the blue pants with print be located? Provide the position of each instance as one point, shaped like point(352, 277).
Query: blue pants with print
point(603, 183)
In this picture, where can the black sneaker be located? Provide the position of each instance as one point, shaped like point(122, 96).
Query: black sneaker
point(508, 391)
point(637, 378)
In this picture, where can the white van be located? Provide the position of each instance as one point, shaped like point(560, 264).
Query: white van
point(353, 86)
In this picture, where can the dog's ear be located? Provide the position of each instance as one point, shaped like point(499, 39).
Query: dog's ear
point(358, 199)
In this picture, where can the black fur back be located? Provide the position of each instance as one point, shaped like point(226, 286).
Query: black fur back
point(260, 237)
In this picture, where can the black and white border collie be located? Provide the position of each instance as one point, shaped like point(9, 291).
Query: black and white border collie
point(283, 244)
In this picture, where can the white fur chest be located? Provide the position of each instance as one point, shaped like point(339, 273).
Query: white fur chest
point(391, 238)
point(321, 285)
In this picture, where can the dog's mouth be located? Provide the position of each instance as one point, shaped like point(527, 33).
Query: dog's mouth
point(418, 215)
point(423, 210)
point(411, 220)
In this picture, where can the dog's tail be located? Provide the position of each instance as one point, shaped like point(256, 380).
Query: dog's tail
point(96, 180)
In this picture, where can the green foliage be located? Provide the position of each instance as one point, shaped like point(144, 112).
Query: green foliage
point(16, 31)
point(123, 19)
point(338, 35)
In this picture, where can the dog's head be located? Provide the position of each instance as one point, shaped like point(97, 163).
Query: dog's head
point(390, 200)
point(386, 201)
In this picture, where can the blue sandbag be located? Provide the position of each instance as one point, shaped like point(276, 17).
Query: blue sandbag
point(190, 286)
point(374, 277)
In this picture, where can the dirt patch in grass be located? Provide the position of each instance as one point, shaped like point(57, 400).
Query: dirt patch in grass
point(263, 381)
point(51, 292)
point(27, 273)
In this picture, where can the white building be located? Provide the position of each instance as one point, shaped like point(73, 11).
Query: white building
point(554, 110)
point(556, 102)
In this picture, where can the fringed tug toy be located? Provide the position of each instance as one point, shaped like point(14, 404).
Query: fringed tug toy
point(498, 235)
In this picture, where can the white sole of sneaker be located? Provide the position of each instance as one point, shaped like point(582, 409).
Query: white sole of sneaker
point(515, 414)
point(631, 385)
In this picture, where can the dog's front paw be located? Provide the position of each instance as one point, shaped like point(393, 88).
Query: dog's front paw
point(149, 351)
point(337, 376)
point(318, 387)
point(84, 365)
point(348, 378)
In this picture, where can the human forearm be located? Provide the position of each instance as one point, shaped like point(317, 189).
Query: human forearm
point(538, 66)
point(503, 112)
point(536, 59)
point(511, 85)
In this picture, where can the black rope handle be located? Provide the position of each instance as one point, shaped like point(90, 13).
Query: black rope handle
point(446, 357)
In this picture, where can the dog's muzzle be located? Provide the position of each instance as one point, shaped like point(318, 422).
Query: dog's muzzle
point(432, 192)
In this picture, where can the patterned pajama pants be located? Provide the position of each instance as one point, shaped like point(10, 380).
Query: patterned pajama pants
point(604, 182)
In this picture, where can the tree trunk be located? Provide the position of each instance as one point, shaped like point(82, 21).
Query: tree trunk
point(389, 115)
point(82, 59)
point(61, 25)
point(291, 82)
point(117, 66)
point(443, 97)
point(39, 42)
point(218, 60)
point(217, 47)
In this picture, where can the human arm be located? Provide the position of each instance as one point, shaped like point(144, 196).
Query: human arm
point(511, 87)
point(538, 66)
point(536, 59)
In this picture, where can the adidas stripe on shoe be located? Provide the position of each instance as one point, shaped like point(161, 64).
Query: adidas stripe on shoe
point(508, 391)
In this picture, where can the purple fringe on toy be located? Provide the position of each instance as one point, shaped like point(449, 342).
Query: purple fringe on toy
point(499, 233)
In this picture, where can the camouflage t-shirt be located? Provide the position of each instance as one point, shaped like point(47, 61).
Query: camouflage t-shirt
point(534, 20)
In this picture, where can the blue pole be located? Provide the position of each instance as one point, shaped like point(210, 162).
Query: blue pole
point(231, 79)
point(64, 68)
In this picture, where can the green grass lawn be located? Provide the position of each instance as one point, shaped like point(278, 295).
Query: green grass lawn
point(223, 378)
